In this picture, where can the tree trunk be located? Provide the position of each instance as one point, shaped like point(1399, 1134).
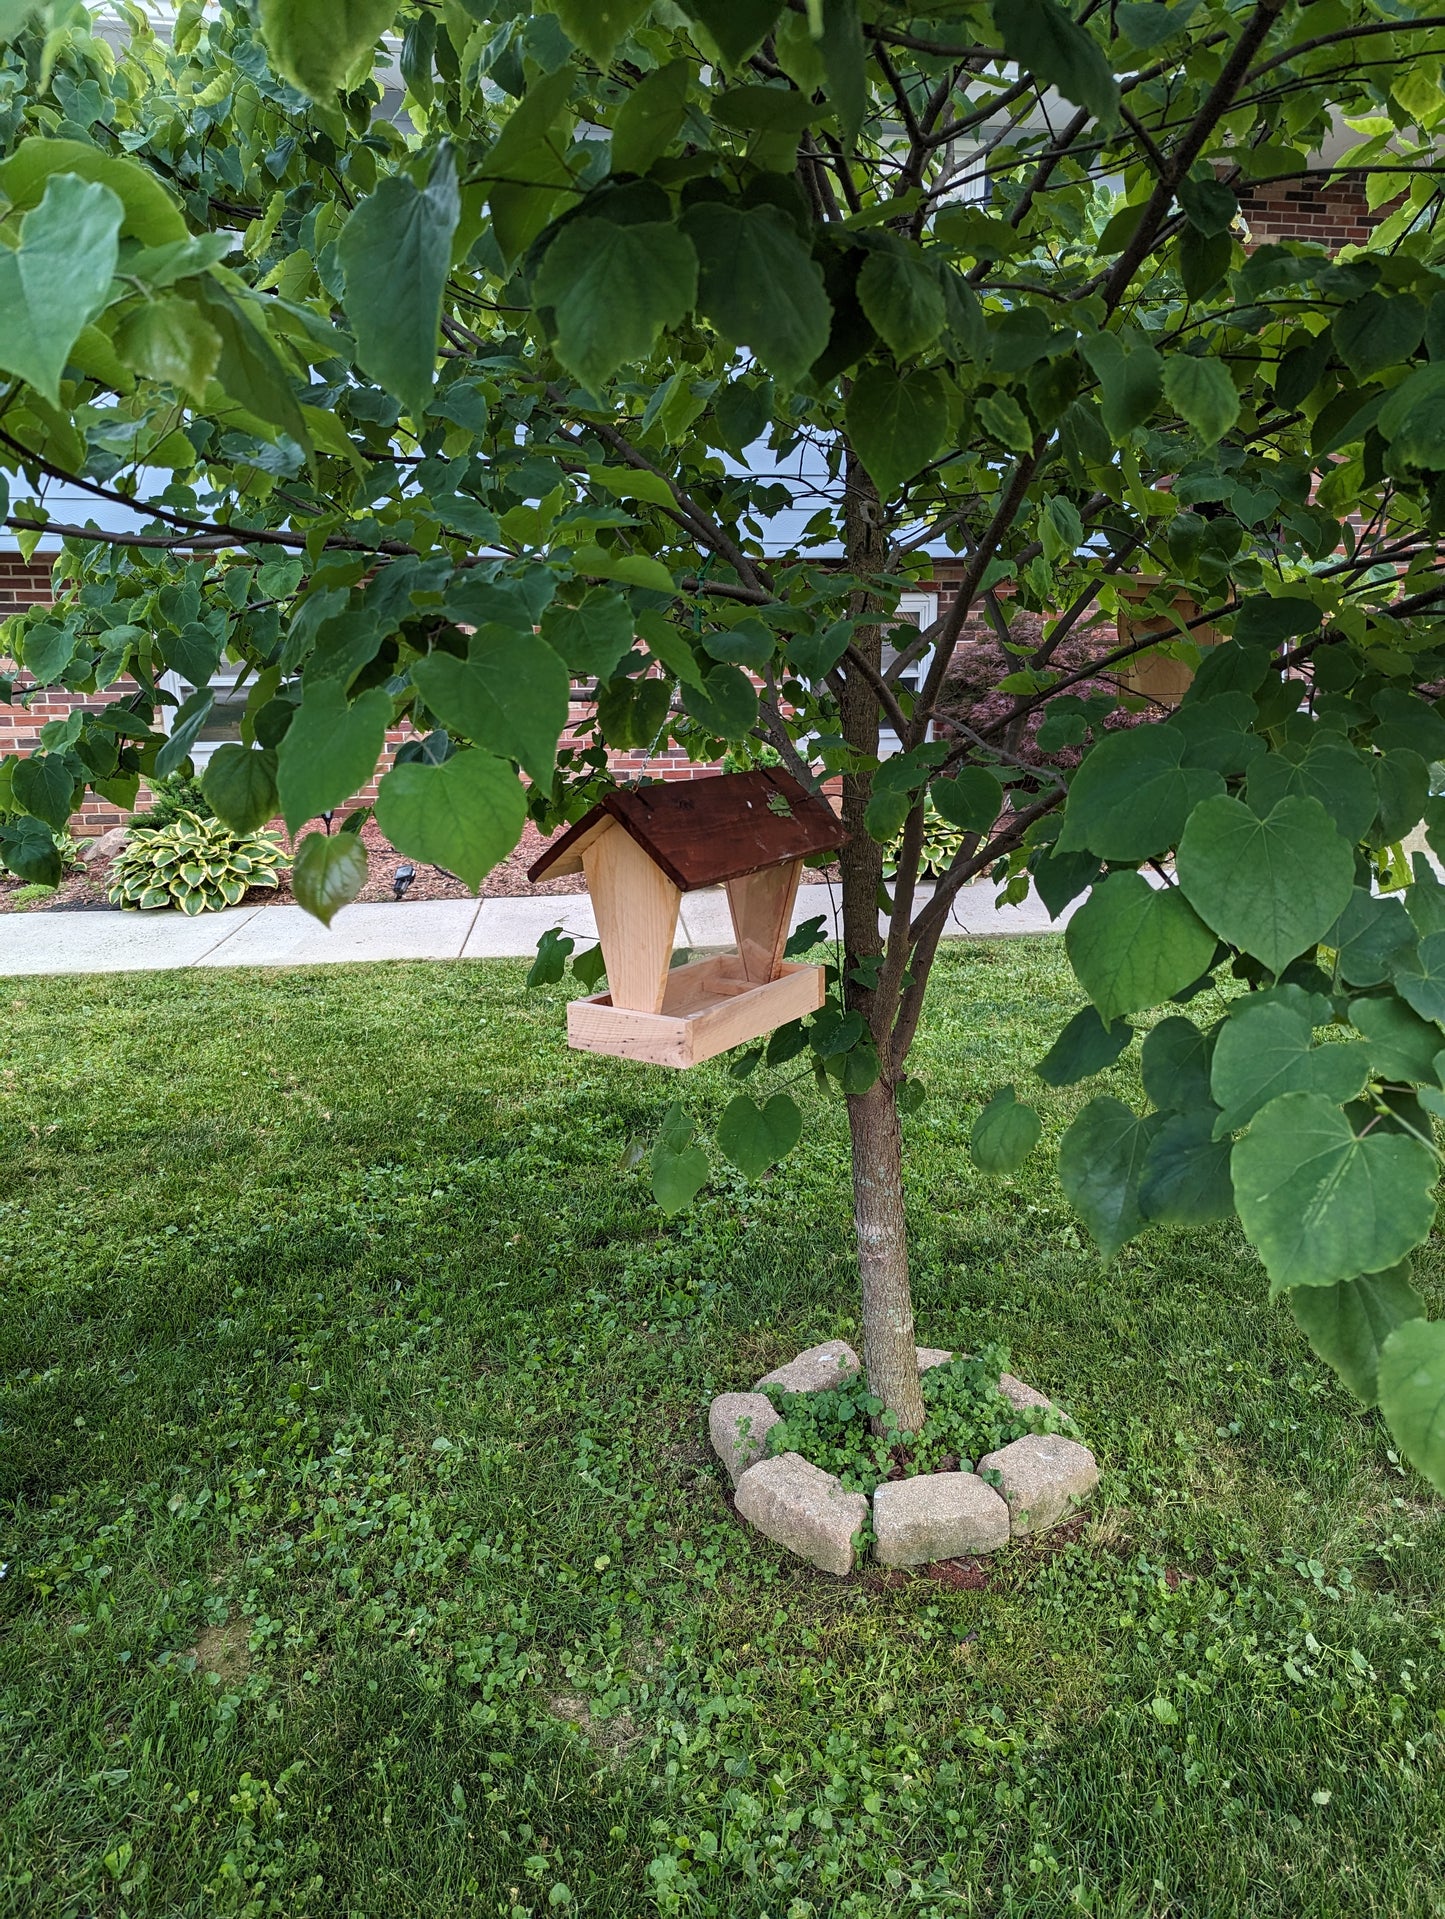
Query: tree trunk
point(890, 1358)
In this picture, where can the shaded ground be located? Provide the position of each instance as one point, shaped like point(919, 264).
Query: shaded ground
point(365, 1556)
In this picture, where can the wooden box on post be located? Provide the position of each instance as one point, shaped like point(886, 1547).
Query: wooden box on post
point(641, 849)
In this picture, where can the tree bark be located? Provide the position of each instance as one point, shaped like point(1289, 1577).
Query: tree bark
point(890, 1359)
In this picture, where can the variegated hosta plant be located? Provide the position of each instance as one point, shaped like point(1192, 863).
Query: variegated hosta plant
point(196, 864)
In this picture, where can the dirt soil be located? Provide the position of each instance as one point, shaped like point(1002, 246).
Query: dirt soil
point(85, 891)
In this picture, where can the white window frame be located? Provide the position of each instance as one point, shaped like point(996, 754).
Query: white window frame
point(924, 606)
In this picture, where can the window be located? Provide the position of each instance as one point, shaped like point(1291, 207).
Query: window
point(223, 722)
point(918, 610)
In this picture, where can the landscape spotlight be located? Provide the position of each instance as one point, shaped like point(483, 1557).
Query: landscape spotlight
point(401, 879)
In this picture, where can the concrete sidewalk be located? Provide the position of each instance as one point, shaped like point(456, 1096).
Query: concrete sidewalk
point(117, 942)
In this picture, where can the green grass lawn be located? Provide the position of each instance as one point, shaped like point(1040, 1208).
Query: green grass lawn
point(365, 1555)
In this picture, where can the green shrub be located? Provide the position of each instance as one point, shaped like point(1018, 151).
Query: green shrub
point(196, 864)
point(172, 798)
point(967, 1415)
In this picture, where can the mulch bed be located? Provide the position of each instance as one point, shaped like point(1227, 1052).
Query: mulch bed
point(85, 891)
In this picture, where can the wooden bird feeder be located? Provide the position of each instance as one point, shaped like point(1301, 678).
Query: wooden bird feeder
point(1155, 675)
point(641, 849)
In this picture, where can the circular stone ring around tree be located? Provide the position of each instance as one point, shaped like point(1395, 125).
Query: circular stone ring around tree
point(1025, 1487)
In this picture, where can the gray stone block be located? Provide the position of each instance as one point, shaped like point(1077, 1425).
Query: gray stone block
point(738, 1425)
point(1042, 1476)
point(814, 1371)
point(937, 1516)
point(803, 1508)
point(930, 1356)
point(1019, 1395)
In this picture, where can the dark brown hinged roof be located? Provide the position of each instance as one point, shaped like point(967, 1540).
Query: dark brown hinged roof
point(703, 832)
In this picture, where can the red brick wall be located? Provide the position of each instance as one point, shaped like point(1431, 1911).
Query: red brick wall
point(1331, 215)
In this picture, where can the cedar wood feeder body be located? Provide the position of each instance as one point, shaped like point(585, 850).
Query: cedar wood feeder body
point(641, 849)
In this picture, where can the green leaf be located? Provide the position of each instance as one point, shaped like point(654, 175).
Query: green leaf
point(1185, 1179)
point(739, 27)
point(1203, 260)
point(186, 726)
point(598, 25)
point(1133, 945)
point(1001, 415)
point(44, 784)
point(757, 1137)
point(1209, 205)
point(1201, 389)
point(1264, 1051)
point(169, 340)
point(898, 422)
point(588, 967)
point(1402, 780)
point(1369, 937)
point(1047, 44)
point(650, 118)
point(679, 1169)
point(1377, 331)
point(194, 652)
point(240, 785)
point(1413, 419)
point(726, 703)
point(1319, 1204)
point(1004, 1134)
point(46, 651)
point(593, 636)
point(1332, 773)
point(845, 64)
point(528, 163)
point(1101, 1161)
point(551, 961)
point(330, 750)
point(1420, 978)
point(972, 800)
point(1174, 1063)
point(28, 849)
point(315, 44)
point(395, 251)
point(151, 215)
point(1402, 1045)
point(508, 695)
point(249, 368)
point(1132, 795)
point(1131, 375)
point(903, 299)
point(328, 873)
point(1349, 1322)
point(466, 814)
point(1412, 1395)
point(1272, 887)
point(759, 285)
point(1085, 1047)
point(57, 279)
point(612, 290)
point(632, 569)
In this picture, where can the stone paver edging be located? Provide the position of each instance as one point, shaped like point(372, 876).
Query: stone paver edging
point(1031, 1484)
